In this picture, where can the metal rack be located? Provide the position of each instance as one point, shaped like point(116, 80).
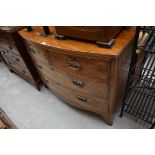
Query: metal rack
point(139, 99)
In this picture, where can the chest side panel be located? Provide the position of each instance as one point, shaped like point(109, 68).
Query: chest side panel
point(119, 75)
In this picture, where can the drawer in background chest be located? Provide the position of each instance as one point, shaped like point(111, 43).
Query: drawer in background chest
point(9, 47)
point(17, 66)
point(13, 57)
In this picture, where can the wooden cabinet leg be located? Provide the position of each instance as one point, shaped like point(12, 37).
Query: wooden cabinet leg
point(108, 118)
point(11, 71)
point(38, 87)
point(46, 86)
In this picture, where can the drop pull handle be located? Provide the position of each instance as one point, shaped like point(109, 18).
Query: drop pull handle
point(74, 65)
point(79, 83)
point(83, 99)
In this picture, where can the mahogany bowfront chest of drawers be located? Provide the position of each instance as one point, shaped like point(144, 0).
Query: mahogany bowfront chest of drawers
point(15, 55)
point(81, 73)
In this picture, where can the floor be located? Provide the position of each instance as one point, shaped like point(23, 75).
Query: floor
point(31, 109)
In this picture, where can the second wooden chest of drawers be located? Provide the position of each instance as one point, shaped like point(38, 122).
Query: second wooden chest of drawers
point(16, 56)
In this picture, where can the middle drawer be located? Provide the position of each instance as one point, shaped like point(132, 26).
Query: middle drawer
point(13, 57)
point(78, 83)
point(9, 47)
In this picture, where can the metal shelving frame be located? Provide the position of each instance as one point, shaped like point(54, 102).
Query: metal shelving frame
point(139, 99)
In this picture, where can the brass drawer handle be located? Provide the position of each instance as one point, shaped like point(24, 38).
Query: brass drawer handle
point(83, 99)
point(2, 52)
point(79, 83)
point(74, 65)
point(38, 66)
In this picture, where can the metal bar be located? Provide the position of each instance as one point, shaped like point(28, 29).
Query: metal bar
point(133, 62)
point(152, 111)
point(139, 99)
point(146, 101)
point(149, 110)
point(146, 28)
point(131, 101)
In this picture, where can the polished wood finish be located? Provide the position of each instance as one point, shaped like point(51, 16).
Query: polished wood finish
point(80, 73)
point(5, 122)
point(99, 34)
point(16, 56)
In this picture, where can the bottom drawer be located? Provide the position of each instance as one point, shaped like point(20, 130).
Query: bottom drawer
point(21, 69)
point(13, 57)
point(78, 99)
point(24, 76)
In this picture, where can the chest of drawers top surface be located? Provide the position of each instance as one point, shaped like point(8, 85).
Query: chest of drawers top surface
point(81, 47)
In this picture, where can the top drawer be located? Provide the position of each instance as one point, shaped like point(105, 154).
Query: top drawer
point(70, 64)
point(10, 47)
